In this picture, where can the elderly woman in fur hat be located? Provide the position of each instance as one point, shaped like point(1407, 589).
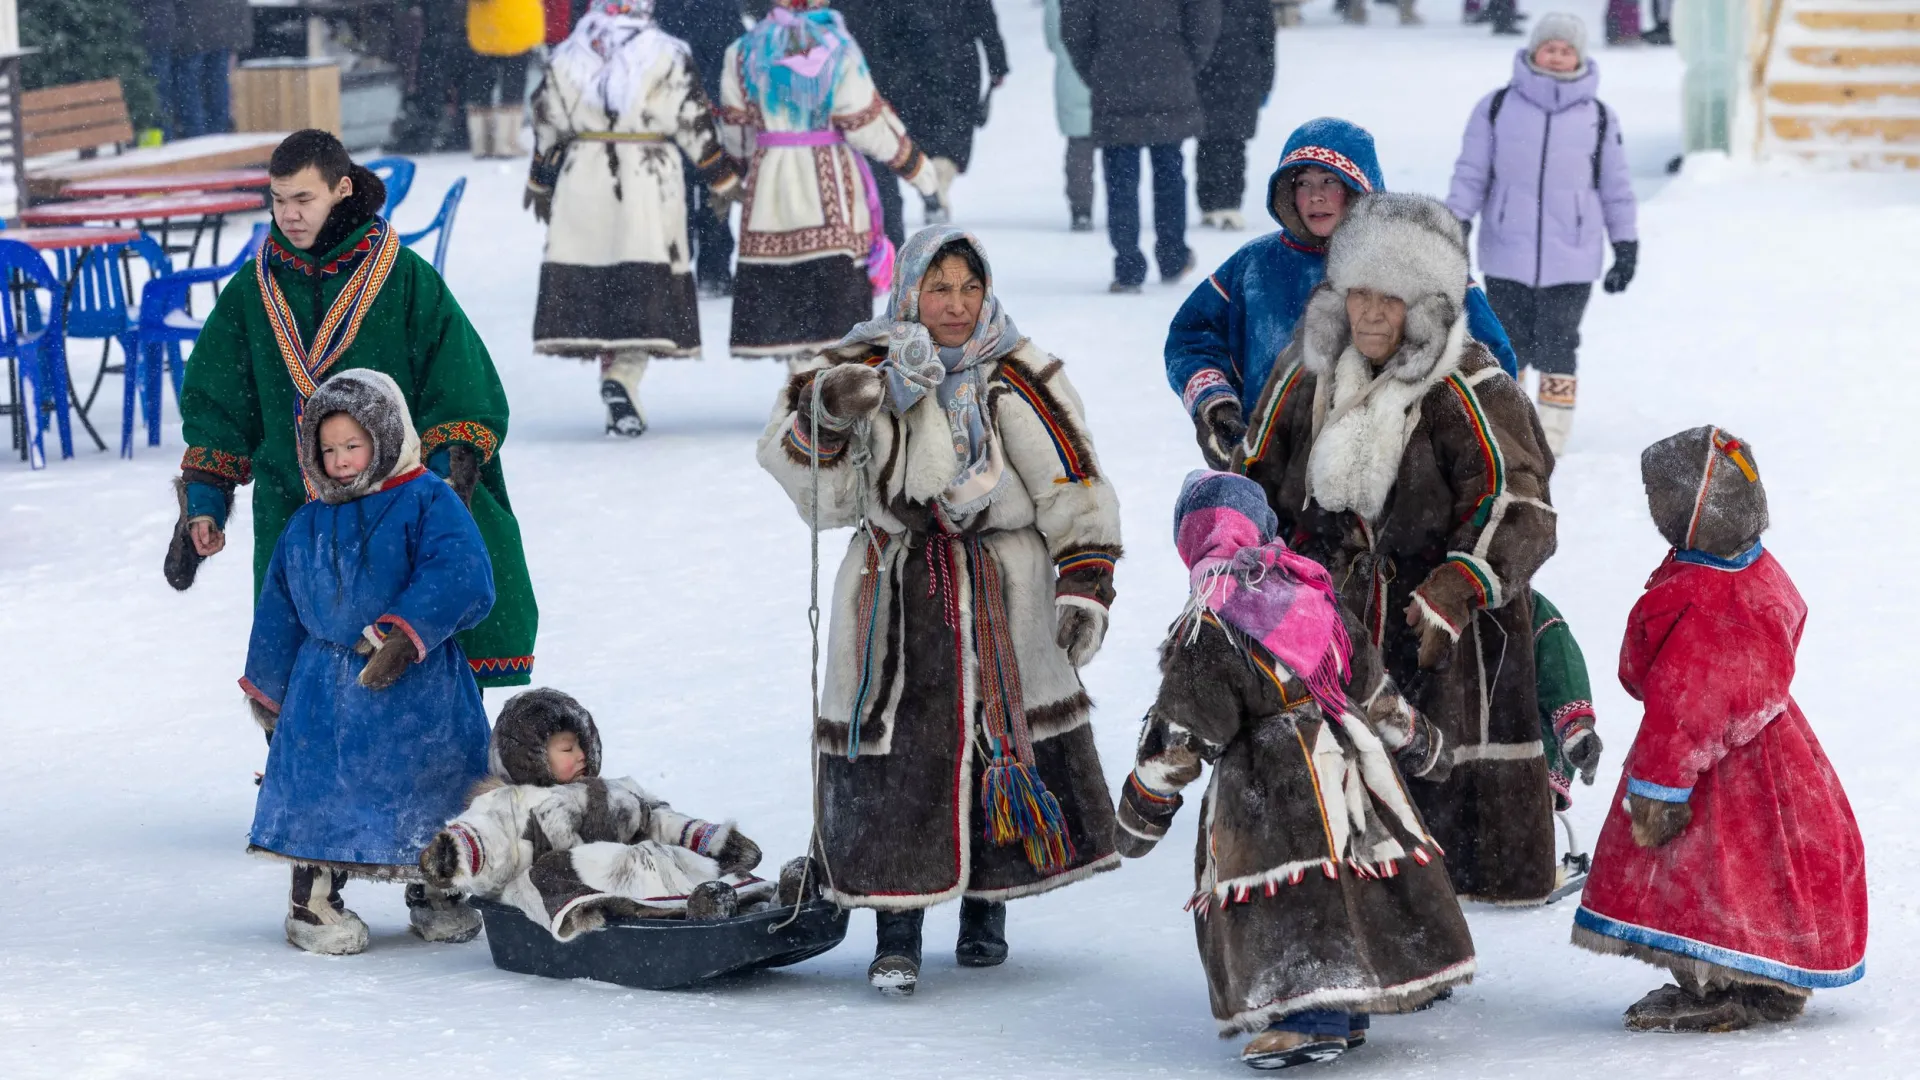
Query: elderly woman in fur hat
point(1399, 455)
point(955, 757)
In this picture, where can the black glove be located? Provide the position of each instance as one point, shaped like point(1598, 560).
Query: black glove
point(540, 202)
point(1220, 430)
point(1580, 748)
point(1656, 823)
point(1626, 254)
point(201, 495)
point(388, 662)
point(738, 855)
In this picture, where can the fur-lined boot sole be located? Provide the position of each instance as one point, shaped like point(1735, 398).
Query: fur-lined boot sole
point(440, 917)
point(345, 937)
point(1286, 1049)
point(1673, 1009)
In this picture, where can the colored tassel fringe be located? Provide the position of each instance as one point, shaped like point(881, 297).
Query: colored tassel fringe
point(1019, 808)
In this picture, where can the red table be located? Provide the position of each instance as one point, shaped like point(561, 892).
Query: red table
point(178, 183)
point(72, 236)
point(201, 210)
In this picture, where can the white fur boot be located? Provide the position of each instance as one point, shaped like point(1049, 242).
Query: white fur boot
point(1556, 410)
point(620, 375)
point(317, 919)
point(480, 130)
point(433, 915)
point(507, 120)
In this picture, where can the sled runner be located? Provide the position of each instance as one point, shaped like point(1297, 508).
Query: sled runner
point(663, 954)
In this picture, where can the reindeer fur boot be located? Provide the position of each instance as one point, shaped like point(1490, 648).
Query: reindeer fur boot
point(434, 915)
point(318, 920)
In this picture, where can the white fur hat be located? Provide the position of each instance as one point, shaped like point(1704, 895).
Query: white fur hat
point(1405, 246)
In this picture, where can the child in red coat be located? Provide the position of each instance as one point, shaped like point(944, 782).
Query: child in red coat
point(1732, 858)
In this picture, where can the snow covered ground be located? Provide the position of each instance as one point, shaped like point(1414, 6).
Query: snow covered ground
point(137, 940)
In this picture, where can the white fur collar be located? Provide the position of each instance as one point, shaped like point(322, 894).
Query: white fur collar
point(1356, 457)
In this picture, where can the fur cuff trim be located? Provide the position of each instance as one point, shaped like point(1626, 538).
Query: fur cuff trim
point(1088, 602)
point(254, 692)
point(1431, 617)
point(1207, 386)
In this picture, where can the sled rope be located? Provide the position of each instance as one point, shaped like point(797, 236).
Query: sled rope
point(861, 453)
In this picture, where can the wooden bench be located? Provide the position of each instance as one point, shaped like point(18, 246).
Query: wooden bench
point(86, 117)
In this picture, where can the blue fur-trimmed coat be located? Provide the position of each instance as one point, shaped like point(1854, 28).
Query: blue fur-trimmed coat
point(1225, 338)
point(356, 776)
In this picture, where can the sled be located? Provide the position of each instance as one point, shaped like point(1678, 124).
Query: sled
point(663, 954)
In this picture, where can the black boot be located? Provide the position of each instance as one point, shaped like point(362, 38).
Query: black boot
point(983, 934)
point(1661, 34)
point(895, 970)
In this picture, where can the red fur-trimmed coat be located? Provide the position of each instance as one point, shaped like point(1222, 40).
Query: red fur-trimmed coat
point(899, 729)
point(1768, 881)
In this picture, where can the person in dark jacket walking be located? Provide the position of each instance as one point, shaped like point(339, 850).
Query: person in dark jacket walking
point(1141, 59)
point(190, 48)
point(1544, 167)
point(708, 27)
point(1233, 87)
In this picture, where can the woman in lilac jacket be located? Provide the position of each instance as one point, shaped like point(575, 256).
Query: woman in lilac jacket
point(1544, 167)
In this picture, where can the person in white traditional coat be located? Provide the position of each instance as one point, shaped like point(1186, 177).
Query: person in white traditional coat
point(955, 748)
point(617, 281)
point(798, 104)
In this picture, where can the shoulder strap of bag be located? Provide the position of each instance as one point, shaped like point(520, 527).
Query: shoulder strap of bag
point(1600, 143)
point(1499, 99)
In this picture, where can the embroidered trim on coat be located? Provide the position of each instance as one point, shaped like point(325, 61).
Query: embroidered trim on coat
point(1074, 459)
point(232, 467)
point(472, 432)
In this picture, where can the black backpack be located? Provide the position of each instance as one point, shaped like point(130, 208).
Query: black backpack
point(1500, 98)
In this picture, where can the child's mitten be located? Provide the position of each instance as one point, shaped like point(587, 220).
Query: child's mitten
point(1656, 823)
point(1144, 817)
point(1580, 747)
point(738, 854)
point(1220, 430)
point(440, 860)
point(388, 662)
point(1082, 626)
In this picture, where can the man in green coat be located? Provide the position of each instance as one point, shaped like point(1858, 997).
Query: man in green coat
point(332, 288)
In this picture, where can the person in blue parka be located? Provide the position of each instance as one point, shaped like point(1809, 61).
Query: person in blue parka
point(1223, 342)
point(371, 710)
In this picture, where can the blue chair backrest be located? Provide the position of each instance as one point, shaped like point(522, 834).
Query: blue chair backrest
point(98, 306)
point(19, 261)
point(397, 174)
point(166, 293)
point(442, 223)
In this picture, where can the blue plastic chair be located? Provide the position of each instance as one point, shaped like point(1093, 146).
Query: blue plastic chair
point(36, 348)
point(442, 224)
point(164, 324)
point(100, 306)
point(397, 174)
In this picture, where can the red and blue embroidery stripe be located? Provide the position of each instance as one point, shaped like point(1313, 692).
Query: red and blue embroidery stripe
point(1077, 470)
point(1085, 560)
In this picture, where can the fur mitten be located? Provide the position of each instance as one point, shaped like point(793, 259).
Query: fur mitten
point(1081, 628)
point(263, 715)
point(540, 201)
point(1220, 430)
point(202, 498)
point(388, 662)
point(848, 392)
point(1144, 815)
point(440, 860)
point(463, 471)
point(1657, 823)
point(1580, 748)
point(737, 854)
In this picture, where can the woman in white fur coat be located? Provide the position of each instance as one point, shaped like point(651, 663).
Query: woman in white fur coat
point(620, 103)
point(1400, 456)
point(955, 758)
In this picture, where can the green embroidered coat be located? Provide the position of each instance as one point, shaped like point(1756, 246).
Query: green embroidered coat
point(1566, 697)
point(238, 408)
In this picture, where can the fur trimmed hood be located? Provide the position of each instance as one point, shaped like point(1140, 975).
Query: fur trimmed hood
point(1341, 147)
point(1704, 490)
point(519, 751)
point(374, 401)
point(1408, 246)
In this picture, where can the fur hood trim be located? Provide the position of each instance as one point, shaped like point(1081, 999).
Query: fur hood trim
point(518, 754)
point(1428, 339)
point(374, 401)
point(1362, 421)
point(1407, 246)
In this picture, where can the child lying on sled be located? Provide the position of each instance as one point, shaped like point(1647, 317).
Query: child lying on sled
point(547, 835)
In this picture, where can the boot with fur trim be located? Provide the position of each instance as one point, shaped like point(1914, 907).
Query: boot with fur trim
point(1556, 410)
point(895, 970)
point(1672, 1008)
point(1774, 1004)
point(318, 920)
point(480, 131)
point(1285, 1049)
point(983, 934)
point(620, 376)
point(712, 901)
point(434, 915)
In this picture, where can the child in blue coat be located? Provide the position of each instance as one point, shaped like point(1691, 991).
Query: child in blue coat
point(371, 709)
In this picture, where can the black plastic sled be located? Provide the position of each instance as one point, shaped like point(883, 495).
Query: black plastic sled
point(662, 954)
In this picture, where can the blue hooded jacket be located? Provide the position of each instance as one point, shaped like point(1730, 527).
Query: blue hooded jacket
point(1226, 337)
